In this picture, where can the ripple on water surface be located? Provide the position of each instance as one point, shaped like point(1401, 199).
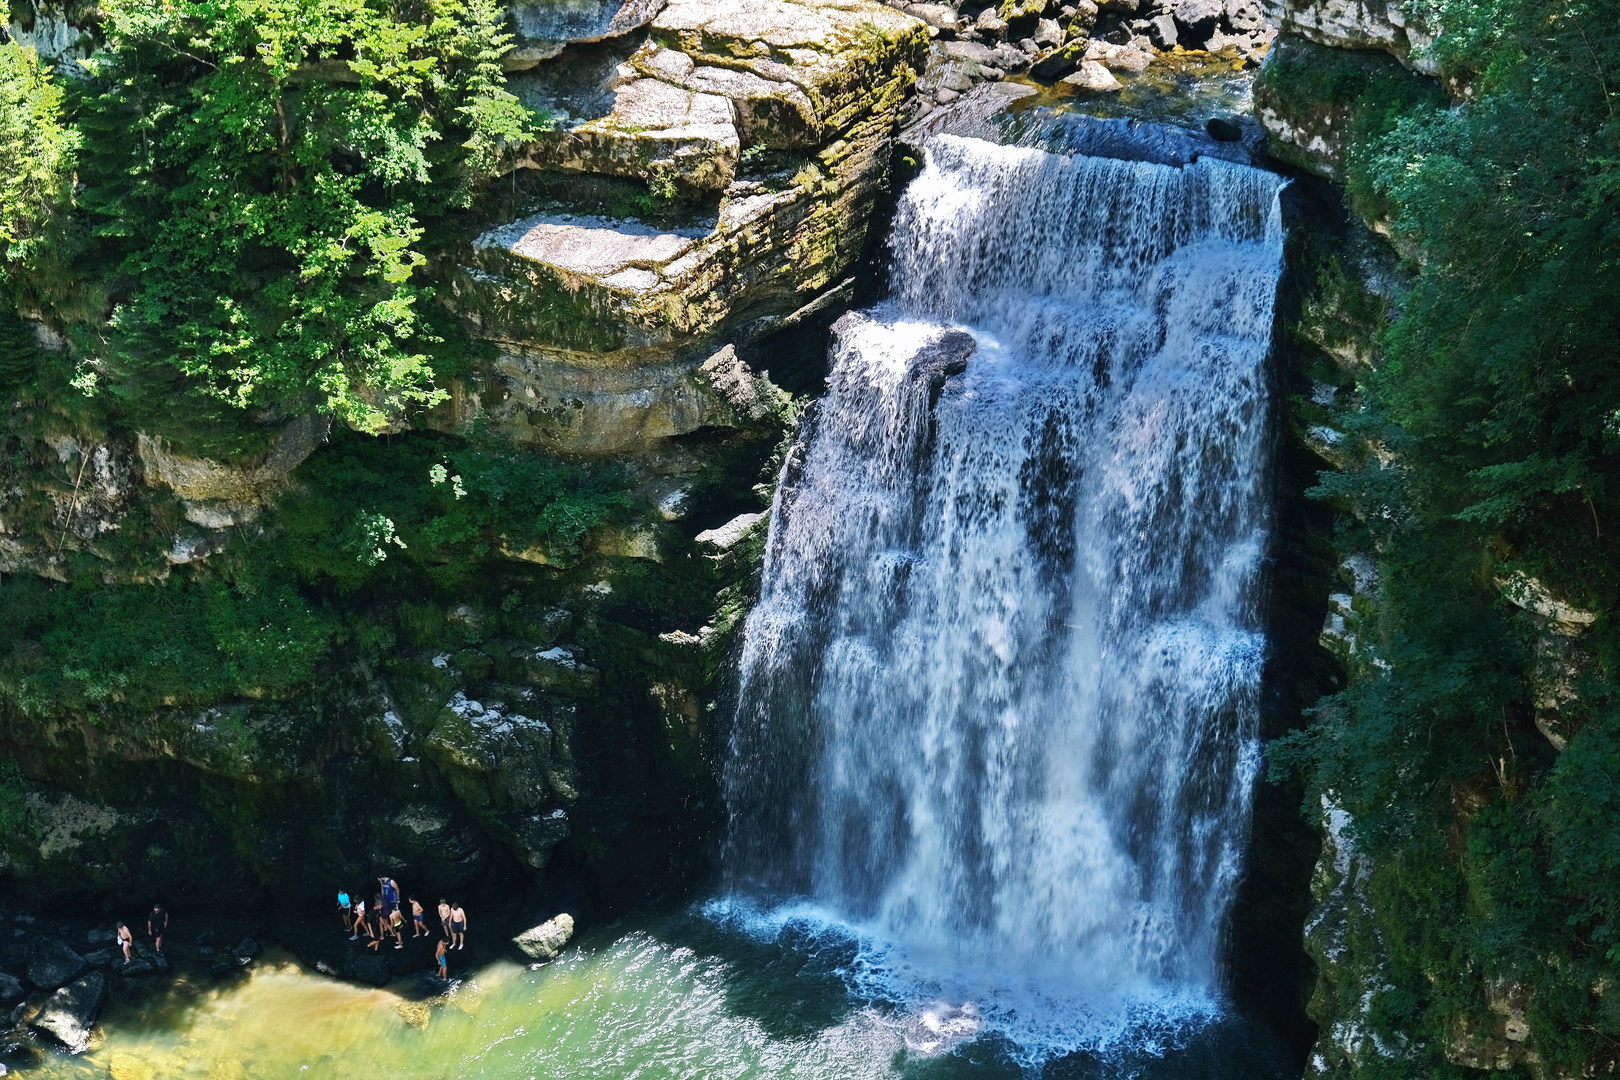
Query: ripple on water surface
point(680, 997)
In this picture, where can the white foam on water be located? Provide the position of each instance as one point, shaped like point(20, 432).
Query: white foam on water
point(998, 698)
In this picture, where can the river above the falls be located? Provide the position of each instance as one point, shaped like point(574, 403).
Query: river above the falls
point(675, 995)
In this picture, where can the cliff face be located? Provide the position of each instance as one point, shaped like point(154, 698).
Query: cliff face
point(1446, 931)
point(483, 644)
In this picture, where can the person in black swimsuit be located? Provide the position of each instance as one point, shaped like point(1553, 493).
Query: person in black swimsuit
point(157, 921)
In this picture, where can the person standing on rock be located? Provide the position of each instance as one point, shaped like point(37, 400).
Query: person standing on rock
point(418, 923)
point(390, 894)
point(444, 964)
point(458, 927)
point(345, 910)
point(396, 926)
point(444, 916)
point(359, 921)
point(157, 921)
point(126, 941)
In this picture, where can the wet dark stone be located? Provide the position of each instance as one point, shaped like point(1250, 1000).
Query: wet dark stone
point(1224, 130)
point(52, 964)
point(70, 1013)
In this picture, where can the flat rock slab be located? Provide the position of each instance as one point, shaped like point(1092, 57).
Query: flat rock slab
point(70, 1013)
point(654, 131)
point(546, 27)
point(624, 255)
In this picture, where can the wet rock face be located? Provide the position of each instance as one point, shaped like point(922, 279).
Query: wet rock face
point(69, 1014)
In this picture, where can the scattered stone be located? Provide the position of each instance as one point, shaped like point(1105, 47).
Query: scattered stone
point(945, 95)
point(726, 536)
point(70, 1013)
point(1048, 33)
point(136, 967)
point(1060, 62)
point(11, 989)
point(545, 941)
point(1196, 13)
point(990, 24)
point(1093, 76)
point(52, 964)
point(939, 16)
point(1161, 30)
point(246, 950)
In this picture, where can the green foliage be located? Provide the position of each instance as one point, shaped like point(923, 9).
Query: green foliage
point(87, 645)
point(423, 505)
point(257, 177)
point(1497, 860)
point(36, 152)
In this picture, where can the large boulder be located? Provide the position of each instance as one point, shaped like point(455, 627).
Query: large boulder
point(545, 941)
point(1382, 25)
point(545, 27)
point(11, 989)
point(220, 495)
point(70, 1013)
point(52, 964)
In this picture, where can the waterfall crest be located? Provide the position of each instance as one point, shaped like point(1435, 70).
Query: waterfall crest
point(998, 697)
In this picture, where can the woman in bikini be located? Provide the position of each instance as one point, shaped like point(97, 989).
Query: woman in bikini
point(127, 941)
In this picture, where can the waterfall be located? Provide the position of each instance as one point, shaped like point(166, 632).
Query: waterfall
point(998, 699)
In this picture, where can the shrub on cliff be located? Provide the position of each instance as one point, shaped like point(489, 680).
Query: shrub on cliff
point(257, 175)
point(1497, 858)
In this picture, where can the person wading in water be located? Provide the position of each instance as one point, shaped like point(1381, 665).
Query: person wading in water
point(444, 965)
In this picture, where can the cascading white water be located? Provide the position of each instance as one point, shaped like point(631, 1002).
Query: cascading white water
point(998, 697)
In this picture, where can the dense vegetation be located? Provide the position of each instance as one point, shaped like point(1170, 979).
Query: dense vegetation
point(1493, 435)
point(226, 219)
point(229, 212)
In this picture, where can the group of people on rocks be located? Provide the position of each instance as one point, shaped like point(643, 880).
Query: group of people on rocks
point(386, 917)
point(157, 921)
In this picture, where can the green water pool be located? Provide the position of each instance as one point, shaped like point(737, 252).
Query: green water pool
point(673, 997)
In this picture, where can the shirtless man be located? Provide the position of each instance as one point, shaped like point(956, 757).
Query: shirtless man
point(127, 941)
point(444, 965)
point(444, 916)
point(458, 927)
point(418, 923)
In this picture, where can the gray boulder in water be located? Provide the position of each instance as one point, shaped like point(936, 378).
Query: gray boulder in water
point(52, 964)
point(11, 989)
point(71, 1012)
point(545, 941)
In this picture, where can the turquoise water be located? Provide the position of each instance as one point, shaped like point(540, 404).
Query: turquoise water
point(676, 996)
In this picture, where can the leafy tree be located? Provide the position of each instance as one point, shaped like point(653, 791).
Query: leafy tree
point(260, 171)
point(36, 152)
point(1497, 858)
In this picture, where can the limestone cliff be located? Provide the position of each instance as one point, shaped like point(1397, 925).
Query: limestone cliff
point(527, 687)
